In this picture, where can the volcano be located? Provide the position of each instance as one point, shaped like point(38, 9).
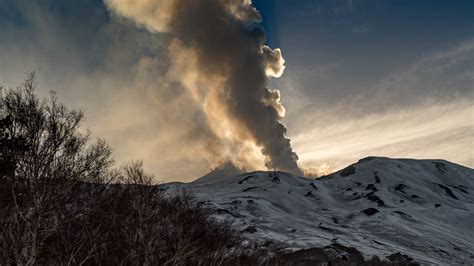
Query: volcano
point(422, 208)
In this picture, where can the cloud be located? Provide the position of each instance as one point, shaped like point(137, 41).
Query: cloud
point(217, 55)
point(155, 15)
point(116, 73)
point(446, 75)
point(426, 132)
point(422, 111)
point(184, 86)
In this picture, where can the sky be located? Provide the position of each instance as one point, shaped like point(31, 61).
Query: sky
point(387, 78)
point(361, 78)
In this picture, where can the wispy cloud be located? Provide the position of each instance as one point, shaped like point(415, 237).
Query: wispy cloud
point(424, 111)
point(445, 131)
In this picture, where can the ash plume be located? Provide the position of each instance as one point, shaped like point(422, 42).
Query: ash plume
point(216, 52)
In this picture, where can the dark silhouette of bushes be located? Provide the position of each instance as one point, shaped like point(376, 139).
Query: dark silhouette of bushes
point(63, 201)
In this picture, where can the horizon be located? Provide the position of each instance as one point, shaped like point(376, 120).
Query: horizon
point(338, 81)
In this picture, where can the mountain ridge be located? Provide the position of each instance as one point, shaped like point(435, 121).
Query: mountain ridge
point(423, 208)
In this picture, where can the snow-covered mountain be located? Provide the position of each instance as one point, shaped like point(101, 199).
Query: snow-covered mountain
point(422, 208)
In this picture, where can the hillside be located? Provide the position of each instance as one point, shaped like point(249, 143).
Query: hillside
point(422, 208)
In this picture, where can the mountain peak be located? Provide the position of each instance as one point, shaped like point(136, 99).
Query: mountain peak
point(423, 208)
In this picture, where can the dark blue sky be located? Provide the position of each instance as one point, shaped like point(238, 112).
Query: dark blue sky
point(366, 39)
point(424, 21)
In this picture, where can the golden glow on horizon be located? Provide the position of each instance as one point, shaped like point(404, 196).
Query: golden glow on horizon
point(413, 133)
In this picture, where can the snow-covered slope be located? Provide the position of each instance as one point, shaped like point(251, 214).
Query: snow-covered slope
point(423, 208)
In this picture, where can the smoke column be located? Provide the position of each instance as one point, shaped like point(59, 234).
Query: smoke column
point(216, 52)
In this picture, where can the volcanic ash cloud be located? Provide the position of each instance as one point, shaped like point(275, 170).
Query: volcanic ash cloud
point(216, 52)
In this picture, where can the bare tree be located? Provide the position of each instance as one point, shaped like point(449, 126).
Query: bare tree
point(64, 202)
point(48, 157)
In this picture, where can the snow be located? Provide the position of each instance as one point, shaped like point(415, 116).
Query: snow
point(298, 212)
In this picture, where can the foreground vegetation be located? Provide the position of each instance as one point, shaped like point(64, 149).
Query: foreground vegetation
point(64, 201)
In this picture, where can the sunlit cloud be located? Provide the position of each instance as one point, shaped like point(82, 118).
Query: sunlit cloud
point(424, 132)
point(423, 111)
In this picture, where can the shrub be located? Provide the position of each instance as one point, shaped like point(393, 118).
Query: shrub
point(65, 202)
